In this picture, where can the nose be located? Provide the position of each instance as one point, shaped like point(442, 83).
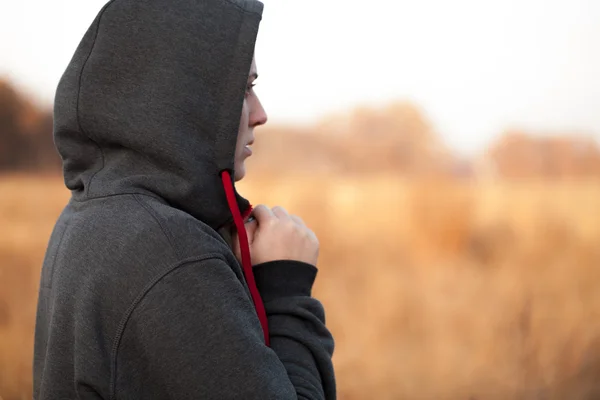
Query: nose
point(258, 116)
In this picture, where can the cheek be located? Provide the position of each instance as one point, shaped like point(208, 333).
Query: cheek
point(245, 117)
point(243, 128)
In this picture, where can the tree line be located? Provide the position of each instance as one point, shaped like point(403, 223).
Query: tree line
point(397, 138)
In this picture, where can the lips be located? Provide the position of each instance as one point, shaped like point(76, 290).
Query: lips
point(248, 147)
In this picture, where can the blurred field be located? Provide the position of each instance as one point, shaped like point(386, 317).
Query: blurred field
point(434, 289)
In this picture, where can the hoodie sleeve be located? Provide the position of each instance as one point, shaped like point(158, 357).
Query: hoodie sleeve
point(195, 335)
point(297, 326)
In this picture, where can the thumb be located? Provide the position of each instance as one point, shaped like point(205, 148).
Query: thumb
point(262, 214)
point(251, 227)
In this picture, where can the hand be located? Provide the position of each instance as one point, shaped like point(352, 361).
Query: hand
point(275, 235)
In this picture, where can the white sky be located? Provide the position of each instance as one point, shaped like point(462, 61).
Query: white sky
point(476, 67)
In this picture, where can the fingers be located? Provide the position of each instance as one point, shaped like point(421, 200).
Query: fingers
point(262, 214)
point(280, 212)
point(251, 223)
point(297, 220)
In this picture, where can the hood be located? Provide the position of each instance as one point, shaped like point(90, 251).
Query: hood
point(151, 103)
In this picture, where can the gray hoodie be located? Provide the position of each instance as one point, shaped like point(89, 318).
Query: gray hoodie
point(140, 296)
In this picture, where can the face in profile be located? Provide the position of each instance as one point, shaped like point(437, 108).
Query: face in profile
point(253, 115)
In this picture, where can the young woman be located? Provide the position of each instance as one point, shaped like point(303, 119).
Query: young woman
point(144, 294)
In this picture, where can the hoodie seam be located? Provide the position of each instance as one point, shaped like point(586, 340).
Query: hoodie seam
point(162, 228)
point(118, 194)
point(80, 80)
point(242, 8)
point(123, 323)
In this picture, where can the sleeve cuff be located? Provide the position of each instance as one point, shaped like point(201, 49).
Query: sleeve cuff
point(284, 278)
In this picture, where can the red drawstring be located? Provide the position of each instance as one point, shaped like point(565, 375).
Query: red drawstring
point(245, 250)
point(247, 213)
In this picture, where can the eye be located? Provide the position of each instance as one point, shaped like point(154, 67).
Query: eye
point(249, 88)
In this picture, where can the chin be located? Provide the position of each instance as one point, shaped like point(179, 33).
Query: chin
point(239, 173)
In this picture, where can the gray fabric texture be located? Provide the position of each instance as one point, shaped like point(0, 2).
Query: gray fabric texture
point(140, 297)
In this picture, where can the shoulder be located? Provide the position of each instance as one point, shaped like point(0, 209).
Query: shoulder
point(187, 236)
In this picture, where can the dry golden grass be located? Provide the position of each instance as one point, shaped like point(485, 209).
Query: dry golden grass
point(434, 289)
point(28, 210)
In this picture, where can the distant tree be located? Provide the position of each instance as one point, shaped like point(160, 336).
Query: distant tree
point(519, 155)
point(13, 144)
point(26, 141)
point(395, 139)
